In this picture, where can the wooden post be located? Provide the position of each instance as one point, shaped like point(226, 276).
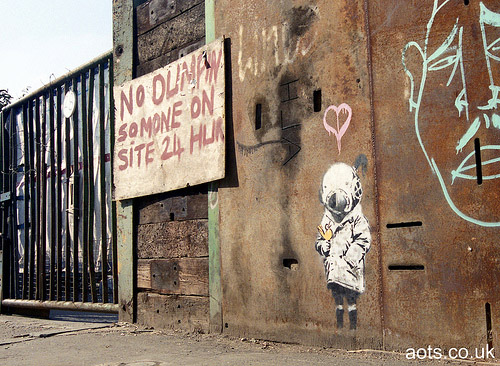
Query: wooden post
point(123, 33)
point(215, 290)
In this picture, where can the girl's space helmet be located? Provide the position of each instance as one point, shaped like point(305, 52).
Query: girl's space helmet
point(341, 189)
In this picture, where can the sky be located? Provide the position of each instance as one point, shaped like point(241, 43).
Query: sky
point(43, 40)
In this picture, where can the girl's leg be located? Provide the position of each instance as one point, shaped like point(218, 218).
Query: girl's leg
point(339, 311)
point(352, 297)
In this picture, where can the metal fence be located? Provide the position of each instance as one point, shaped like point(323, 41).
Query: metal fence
point(57, 215)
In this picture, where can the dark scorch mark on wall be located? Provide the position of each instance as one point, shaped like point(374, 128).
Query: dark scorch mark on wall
point(289, 125)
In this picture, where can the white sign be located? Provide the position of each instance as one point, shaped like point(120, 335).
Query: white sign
point(69, 104)
point(170, 126)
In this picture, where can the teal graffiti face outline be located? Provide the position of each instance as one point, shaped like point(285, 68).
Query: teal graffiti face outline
point(449, 57)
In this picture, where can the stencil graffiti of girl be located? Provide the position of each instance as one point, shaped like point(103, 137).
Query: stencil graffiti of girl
point(343, 238)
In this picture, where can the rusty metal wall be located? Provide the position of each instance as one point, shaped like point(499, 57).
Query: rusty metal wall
point(301, 102)
point(420, 85)
point(436, 78)
point(405, 93)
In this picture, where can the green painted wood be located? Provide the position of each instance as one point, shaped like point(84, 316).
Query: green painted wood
point(125, 260)
point(214, 268)
point(209, 20)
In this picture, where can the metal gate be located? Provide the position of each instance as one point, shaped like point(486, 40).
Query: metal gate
point(57, 217)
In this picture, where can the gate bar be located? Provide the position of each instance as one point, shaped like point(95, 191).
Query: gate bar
point(3, 206)
point(13, 206)
point(67, 157)
point(43, 221)
point(39, 179)
point(59, 193)
point(102, 181)
point(114, 239)
point(26, 169)
point(90, 151)
point(85, 207)
point(5, 276)
point(76, 194)
point(33, 225)
point(53, 213)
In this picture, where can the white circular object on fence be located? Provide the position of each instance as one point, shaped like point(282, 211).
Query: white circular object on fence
point(69, 104)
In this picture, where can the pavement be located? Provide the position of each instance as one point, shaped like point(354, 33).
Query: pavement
point(99, 340)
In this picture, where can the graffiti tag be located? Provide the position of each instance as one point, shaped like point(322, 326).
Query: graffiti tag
point(342, 112)
point(449, 57)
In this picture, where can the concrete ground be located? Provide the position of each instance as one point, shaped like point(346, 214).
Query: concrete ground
point(67, 340)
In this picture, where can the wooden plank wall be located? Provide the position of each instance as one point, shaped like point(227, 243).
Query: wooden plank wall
point(172, 264)
point(171, 229)
point(167, 30)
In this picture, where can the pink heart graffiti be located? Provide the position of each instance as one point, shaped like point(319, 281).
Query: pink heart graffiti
point(340, 131)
